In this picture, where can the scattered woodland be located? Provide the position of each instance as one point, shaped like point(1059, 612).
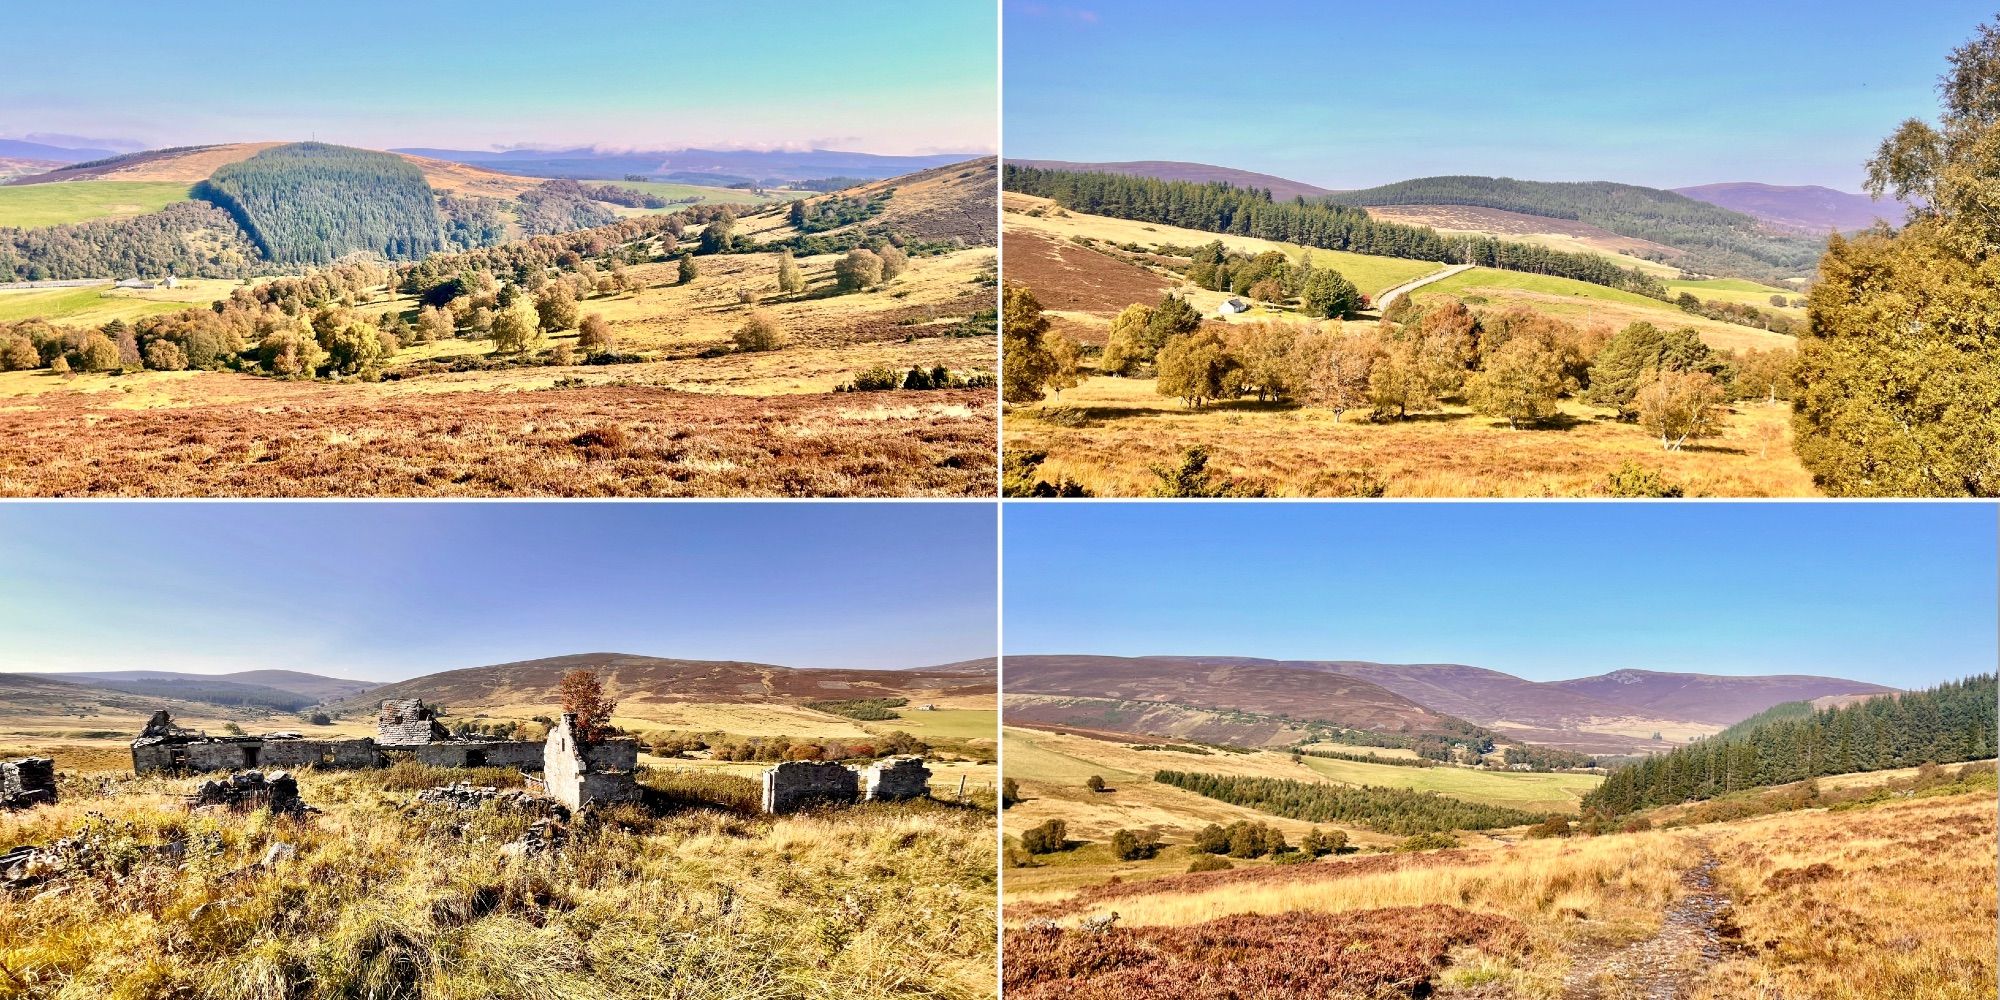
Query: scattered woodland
point(1535, 371)
point(603, 323)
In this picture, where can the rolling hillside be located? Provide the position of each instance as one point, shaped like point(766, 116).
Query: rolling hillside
point(1807, 209)
point(1248, 701)
point(633, 678)
point(1260, 687)
point(1282, 189)
point(1713, 239)
point(700, 166)
point(297, 686)
point(1708, 698)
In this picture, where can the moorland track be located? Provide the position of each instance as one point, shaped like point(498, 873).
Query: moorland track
point(1693, 935)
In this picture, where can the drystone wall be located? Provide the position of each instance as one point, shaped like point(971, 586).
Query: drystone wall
point(28, 781)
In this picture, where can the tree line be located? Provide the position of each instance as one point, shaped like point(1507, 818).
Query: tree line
point(1946, 724)
point(1386, 810)
point(1713, 239)
point(1219, 208)
point(189, 239)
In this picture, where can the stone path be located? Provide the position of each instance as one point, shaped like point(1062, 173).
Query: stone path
point(1693, 937)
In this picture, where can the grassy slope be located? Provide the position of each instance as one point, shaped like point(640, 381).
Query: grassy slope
point(1454, 453)
point(1901, 896)
point(1052, 768)
point(29, 206)
point(1372, 275)
point(1582, 302)
point(864, 903)
point(708, 195)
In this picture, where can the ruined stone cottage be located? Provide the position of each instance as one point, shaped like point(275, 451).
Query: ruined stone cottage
point(796, 784)
point(29, 781)
point(164, 746)
point(410, 725)
point(577, 773)
point(405, 726)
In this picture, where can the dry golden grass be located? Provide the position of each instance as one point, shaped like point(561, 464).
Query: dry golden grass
point(386, 901)
point(1127, 428)
point(1887, 902)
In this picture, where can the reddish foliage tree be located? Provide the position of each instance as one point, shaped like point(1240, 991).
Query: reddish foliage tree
point(582, 693)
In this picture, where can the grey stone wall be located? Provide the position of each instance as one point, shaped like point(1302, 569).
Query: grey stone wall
point(524, 754)
point(577, 775)
point(797, 783)
point(408, 722)
point(28, 781)
point(354, 753)
point(895, 779)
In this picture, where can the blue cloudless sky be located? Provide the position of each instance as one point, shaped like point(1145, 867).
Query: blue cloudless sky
point(1347, 94)
point(383, 591)
point(882, 76)
point(1896, 593)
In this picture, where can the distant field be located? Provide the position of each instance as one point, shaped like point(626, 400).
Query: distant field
point(97, 305)
point(1111, 431)
point(1740, 291)
point(708, 195)
point(28, 206)
point(1585, 303)
point(1554, 792)
point(945, 723)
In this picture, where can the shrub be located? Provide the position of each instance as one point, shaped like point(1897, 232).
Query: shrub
point(1209, 863)
point(1047, 838)
point(1095, 783)
point(1427, 842)
point(760, 332)
point(1131, 845)
point(688, 271)
point(165, 356)
point(1554, 826)
point(1630, 480)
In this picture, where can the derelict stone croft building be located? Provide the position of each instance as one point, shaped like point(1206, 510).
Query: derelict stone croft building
point(795, 784)
point(404, 726)
point(578, 773)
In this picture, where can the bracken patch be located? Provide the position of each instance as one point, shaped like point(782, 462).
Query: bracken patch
point(1376, 954)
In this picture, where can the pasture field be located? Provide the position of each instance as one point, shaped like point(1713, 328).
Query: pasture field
point(1552, 792)
point(689, 895)
point(96, 305)
point(31, 206)
point(1109, 433)
point(1372, 275)
point(1586, 304)
point(1052, 767)
point(709, 195)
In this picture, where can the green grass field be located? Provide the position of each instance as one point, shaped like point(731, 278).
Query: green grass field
point(1514, 789)
point(708, 195)
point(944, 724)
point(1471, 282)
point(29, 206)
point(93, 306)
point(1739, 291)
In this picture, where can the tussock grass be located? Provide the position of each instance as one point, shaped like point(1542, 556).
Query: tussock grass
point(1893, 900)
point(383, 900)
